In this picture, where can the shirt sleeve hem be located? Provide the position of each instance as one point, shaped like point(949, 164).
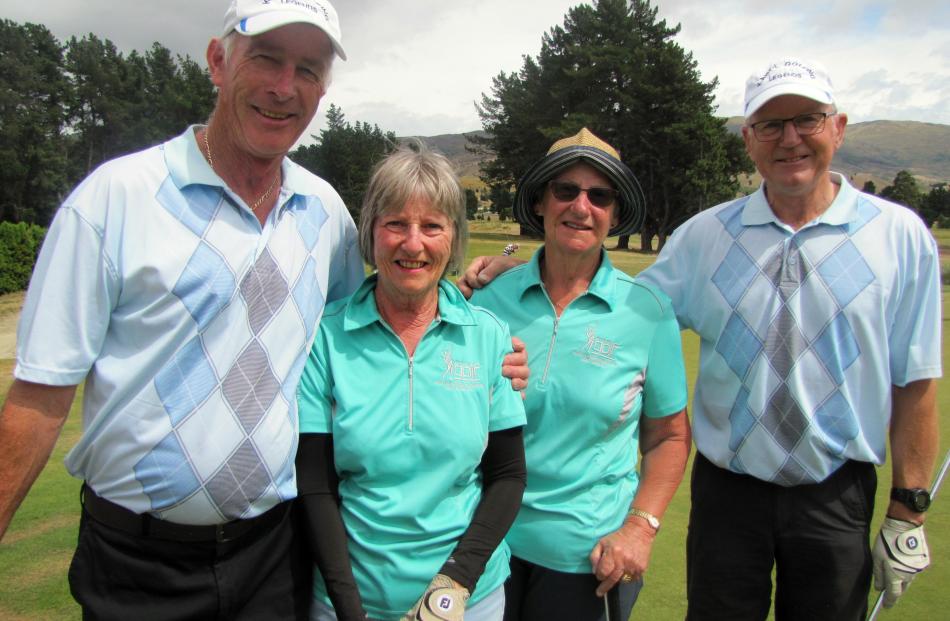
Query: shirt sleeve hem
point(36, 375)
point(314, 427)
point(923, 373)
point(662, 412)
point(507, 423)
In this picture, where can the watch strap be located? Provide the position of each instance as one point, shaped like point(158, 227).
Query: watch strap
point(651, 519)
point(916, 499)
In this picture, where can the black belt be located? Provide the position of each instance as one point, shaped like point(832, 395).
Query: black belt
point(145, 525)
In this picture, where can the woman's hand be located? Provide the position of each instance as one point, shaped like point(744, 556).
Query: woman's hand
point(444, 600)
point(664, 443)
point(515, 365)
point(624, 552)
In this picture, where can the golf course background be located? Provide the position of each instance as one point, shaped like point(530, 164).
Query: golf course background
point(35, 553)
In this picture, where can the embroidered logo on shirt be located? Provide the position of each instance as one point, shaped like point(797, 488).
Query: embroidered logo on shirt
point(459, 375)
point(597, 350)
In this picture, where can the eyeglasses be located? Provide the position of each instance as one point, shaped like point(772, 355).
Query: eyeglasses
point(805, 125)
point(599, 197)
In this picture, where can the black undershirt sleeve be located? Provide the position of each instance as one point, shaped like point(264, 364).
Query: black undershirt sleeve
point(318, 496)
point(503, 481)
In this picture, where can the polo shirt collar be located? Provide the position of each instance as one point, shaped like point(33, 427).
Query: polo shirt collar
point(843, 209)
point(603, 286)
point(186, 163)
point(187, 166)
point(361, 309)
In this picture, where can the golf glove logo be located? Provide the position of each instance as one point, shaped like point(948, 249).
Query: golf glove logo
point(444, 600)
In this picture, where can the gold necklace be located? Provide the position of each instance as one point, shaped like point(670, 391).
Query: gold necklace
point(266, 193)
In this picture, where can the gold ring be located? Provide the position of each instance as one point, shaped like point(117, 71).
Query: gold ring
point(626, 578)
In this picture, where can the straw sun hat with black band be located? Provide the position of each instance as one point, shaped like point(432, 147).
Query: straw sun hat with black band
point(588, 148)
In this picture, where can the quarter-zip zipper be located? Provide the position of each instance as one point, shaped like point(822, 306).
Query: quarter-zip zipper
point(410, 393)
point(557, 320)
point(411, 359)
point(547, 363)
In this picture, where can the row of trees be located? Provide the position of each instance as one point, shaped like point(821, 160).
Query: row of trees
point(66, 108)
point(615, 69)
point(612, 67)
point(932, 207)
point(345, 154)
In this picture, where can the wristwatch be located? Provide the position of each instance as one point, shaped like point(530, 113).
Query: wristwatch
point(649, 517)
point(916, 499)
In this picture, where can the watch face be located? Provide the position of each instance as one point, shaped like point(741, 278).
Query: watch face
point(921, 500)
point(916, 499)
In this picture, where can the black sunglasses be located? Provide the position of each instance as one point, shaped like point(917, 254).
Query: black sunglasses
point(599, 197)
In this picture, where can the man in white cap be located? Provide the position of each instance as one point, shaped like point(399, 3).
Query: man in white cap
point(818, 309)
point(184, 284)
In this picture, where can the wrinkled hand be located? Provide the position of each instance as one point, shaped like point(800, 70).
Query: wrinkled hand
point(900, 553)
point(515, 366)
point(444, 600)
point(624, 551)
point(482, 270)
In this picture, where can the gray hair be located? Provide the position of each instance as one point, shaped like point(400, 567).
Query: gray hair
point(414, 173)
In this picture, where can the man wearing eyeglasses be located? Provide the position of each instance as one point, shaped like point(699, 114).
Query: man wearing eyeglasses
point(818, 309)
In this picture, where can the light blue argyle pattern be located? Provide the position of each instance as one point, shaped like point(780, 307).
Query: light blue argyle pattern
point(769, 346)
point(246, 392)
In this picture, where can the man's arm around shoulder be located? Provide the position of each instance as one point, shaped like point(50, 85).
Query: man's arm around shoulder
point(30, 423)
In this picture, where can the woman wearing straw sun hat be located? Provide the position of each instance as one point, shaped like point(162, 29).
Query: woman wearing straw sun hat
point(607, 379)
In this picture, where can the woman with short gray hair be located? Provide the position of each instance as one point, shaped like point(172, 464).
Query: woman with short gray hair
point(408, 173)
point(411, 460)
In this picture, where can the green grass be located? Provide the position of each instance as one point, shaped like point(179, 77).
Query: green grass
point(34, 555)
point(35, 552)
point(943, 241)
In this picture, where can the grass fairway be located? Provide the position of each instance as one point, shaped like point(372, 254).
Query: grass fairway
point(34, 555)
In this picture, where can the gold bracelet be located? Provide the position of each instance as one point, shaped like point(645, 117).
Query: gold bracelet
point(651, 519)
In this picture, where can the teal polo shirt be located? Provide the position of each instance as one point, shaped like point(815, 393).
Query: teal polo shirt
point(612, 356)
point(408, 437)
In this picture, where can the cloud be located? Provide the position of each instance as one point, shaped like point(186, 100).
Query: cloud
point(905, 44)
point(418, 66)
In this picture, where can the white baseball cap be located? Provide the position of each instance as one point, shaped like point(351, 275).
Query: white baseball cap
point(253, 17)
point(788, 76)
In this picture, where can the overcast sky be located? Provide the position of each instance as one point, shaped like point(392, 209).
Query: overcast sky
point(417, 67)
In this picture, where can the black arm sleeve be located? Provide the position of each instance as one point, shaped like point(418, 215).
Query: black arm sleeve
point(318, 496)
point(503, 482)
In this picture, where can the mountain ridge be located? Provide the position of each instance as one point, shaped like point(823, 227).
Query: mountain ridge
point(872, 150)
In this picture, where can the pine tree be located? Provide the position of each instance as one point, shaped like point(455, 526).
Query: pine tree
point(345, 155)
point(615, 68)
point(32, 117)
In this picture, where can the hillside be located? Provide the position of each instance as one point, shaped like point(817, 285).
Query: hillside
point(874, 150)
point(452, 146)
point(878, 150)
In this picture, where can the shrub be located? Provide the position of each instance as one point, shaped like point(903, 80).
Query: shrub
point(19, 245)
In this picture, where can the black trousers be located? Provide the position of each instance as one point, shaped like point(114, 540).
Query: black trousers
point(816, 537)
point(263, 574)
point(536, 593)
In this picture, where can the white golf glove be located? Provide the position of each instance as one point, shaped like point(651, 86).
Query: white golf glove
point(444, 600)
point(900, 553)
